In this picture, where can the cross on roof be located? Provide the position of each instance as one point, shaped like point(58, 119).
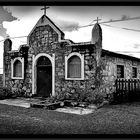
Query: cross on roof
point(45, 7)
point(97, 19)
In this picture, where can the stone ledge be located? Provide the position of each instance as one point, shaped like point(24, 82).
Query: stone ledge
point(51, 106)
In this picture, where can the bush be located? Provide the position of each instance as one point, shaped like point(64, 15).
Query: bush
point(5, 93)
point(88, 95)
point(59, 97)
point(20, 93)
point(17, 93)
point(104, 92)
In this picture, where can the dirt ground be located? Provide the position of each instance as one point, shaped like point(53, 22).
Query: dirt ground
point(113, 119)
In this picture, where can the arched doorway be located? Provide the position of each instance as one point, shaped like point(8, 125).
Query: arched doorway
point(44, 77)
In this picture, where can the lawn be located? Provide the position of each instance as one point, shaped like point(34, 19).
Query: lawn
point(113, 119)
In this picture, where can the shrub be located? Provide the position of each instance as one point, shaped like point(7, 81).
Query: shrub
point(5, 93)
point(104, 92)
point(94, 92)
point(59, 97)
point(88, 95)
point(17, 92)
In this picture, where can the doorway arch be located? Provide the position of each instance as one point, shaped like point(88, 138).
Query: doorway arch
point(38, 62)
point(44, 77)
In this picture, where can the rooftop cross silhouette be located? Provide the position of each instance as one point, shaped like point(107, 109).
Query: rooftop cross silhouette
point(45, 8)
point(97, 19)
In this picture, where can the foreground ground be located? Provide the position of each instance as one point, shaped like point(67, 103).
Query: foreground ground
point(114, 119)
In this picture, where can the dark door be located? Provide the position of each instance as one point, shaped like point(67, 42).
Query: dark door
point(44, 77)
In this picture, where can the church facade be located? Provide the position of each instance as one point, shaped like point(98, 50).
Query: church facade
point(49, 64)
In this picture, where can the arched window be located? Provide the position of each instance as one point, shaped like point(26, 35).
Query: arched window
point(17, 68)
point(17, 71)
point(74, 66)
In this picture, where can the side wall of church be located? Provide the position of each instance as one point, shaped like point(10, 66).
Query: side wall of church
point(110, 72)
point(12, 83)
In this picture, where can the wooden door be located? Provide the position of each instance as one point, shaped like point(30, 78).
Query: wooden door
point(44, 77)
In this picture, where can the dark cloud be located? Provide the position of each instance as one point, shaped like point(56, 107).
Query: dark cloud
point(124, 17)
point(5, 16)
point(68, 25)
point(26, 9)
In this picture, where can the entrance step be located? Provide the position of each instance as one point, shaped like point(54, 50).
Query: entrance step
point(21, 101)
point(50, 106)
point(15, 102)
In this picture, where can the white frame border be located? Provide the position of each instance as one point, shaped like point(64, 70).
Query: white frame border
point(21, 59)
point(82, 66)
point(34, 71)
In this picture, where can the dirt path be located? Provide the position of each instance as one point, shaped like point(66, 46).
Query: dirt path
point(117, 119)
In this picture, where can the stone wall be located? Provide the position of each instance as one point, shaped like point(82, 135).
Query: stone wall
point(14, 84)
point(61, 84)
point(42, 43)
point(44, 39)
point(110, 72)
point(7, 62)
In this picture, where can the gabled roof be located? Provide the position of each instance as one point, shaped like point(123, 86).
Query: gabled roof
point(114, 54)
point(44, 20)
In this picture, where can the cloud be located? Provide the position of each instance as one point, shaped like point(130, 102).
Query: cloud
point(68, 25)
point(3, 32)
point(136, 46)
point(124, 17)
point(5, 15)
point(24, 9)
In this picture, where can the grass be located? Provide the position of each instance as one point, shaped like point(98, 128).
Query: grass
point(113, 119)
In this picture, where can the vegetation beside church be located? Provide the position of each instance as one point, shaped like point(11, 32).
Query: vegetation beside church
point(94, 93)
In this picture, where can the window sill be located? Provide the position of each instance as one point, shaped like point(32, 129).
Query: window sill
point(16, 78)
point(74, 79)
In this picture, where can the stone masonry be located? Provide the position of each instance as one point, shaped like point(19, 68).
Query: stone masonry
point(49, 39)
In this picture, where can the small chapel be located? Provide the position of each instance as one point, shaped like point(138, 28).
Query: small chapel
point(49, 64)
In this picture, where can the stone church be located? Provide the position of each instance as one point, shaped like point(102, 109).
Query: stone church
point(49, 64)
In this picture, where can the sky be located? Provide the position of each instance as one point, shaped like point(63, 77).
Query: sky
point(18, 21)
